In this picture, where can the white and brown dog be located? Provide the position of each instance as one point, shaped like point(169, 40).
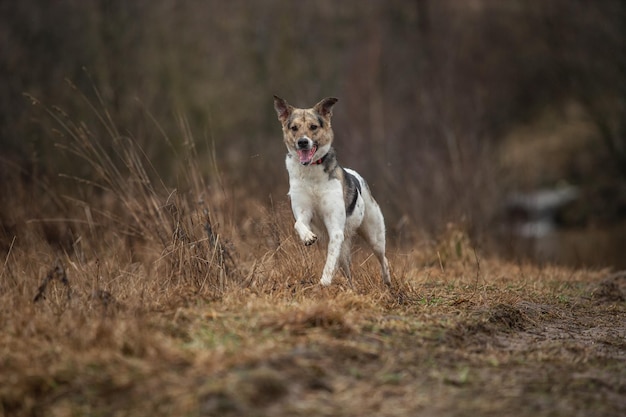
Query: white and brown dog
point(325, 194)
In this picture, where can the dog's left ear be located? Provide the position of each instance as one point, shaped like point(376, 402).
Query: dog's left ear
point(283, 109)
point(324, 107)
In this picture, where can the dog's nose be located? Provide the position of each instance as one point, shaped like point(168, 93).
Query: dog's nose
point(303, 143)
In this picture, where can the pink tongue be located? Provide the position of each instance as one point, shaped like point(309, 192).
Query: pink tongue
point(306, 155)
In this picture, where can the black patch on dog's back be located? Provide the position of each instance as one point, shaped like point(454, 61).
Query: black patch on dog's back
point(329, 162)
point(352, 189)
point(351, 185)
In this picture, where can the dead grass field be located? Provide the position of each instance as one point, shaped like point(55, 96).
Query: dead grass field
point(139, 300)
point(179, 331)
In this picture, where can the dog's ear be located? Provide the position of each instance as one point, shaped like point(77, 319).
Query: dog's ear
point(283, 109)
point(324, 107)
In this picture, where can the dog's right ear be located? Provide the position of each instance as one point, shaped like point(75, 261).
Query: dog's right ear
point(283, 109)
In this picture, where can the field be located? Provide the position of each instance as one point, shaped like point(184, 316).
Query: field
point(122, 297)
point(148, 262)
point(465, 338)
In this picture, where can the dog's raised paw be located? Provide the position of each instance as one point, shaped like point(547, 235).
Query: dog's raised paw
point(311, 239)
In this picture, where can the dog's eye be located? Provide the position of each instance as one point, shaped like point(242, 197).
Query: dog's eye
point(294, 128)
point(313, 127)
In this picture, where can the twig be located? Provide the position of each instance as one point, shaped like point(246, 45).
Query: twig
point(6, 259)
point(58, 272)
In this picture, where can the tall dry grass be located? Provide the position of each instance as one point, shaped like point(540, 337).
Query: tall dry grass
point(122, 224)
point(417, 105)
point(165, 311)
point(128, 287)
point(122, 238)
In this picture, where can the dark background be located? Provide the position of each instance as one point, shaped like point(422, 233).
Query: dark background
point(446, 107)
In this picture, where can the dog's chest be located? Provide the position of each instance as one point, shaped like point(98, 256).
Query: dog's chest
point(315, 183)
point(312, 183)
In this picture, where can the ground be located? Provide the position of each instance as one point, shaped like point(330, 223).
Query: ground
point(457, 337)
point(133, 299)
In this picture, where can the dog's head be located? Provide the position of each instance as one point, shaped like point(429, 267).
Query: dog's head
point(306, 132)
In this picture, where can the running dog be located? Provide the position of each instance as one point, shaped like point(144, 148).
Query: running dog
point(323, 194)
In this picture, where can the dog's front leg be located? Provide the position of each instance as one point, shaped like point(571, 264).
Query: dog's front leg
point(335, 221)
point(334, 249)
point(302, 225)
point(306, 235)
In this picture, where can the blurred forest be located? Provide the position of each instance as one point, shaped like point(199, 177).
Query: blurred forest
point(446, 107)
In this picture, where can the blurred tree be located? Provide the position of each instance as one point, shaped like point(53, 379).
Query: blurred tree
point(427, 88)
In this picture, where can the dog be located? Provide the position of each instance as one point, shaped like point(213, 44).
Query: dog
point(323, 194)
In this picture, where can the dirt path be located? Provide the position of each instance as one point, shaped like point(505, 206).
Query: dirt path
point(334, 352)
point(524, 360)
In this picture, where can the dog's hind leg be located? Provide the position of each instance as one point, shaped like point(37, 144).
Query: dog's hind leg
point(378, 248)
point(384, 266)
point(379, 251)
point(373, 231)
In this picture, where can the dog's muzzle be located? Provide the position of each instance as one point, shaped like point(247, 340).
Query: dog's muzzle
point(305, 149)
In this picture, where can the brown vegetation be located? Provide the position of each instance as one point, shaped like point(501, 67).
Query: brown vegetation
point(428, 90)
point(144, 300)
point(148, 269)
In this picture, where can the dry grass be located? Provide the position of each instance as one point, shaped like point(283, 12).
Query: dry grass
point(144, 300)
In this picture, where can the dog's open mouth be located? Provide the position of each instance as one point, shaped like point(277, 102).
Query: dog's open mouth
point(306, 155)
